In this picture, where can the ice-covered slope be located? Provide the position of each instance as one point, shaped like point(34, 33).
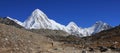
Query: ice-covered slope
point(39, 20)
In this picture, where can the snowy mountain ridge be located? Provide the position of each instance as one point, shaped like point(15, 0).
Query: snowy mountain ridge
point(39, 20)
point(15, 20)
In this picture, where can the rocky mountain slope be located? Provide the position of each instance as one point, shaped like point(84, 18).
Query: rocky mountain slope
point(14, 40)
point(107, 38)
point(9, 21)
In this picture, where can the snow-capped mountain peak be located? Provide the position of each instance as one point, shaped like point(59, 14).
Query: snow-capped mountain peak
point(38, 13)
point(99, 26)
point(39, 20)
point(72, 25)
point(100, 23)
point(73, 28)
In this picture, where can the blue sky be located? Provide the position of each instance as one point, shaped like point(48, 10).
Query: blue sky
point(83, 12)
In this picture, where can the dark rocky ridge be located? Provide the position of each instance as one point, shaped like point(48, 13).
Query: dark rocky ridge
point(7, 21)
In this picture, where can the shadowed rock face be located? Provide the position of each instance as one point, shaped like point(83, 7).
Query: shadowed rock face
point(9, 22)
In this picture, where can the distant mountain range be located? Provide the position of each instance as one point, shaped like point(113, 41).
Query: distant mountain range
point(39, 20)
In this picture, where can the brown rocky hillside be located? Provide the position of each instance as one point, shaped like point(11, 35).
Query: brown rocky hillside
point(13, 40)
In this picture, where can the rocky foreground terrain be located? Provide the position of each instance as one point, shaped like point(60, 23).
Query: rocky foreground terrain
point(16, 39)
